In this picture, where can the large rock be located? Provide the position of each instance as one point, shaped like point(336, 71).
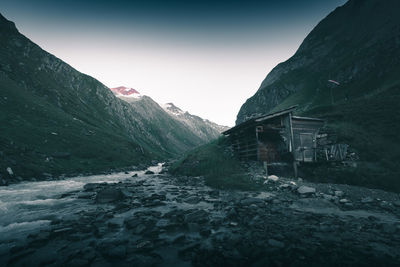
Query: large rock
point(10, 171)
point(367, 200)
point(273, 178)
point(108, 195)
point(304, 190)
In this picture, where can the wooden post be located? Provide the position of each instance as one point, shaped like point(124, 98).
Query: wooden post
point(266, 168)
point(292, 147)
point(258, 149)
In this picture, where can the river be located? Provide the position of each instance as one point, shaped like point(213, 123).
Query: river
point(29, 207)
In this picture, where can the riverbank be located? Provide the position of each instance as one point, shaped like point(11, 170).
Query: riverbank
point(165, 220)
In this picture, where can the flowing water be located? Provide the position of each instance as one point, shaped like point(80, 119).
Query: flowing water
point(29, 207)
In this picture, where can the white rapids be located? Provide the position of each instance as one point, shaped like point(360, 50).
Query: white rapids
point(29, 207)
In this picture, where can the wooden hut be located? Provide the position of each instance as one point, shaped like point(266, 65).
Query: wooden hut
point(277, 137)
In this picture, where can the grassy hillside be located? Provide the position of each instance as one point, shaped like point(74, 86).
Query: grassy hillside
point(357, 45)
point(38, 137)
point(219, 168)
point(370, 125)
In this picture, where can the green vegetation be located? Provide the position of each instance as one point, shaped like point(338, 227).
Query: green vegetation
point(219, 168)
point(363, 109)
point(370, 125)
point(33, 130)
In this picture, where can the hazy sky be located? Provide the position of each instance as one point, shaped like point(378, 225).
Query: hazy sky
point(206, 57)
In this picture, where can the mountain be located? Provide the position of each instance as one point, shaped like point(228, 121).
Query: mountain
point(54, 119)
point(125, 91)
point(172, 118)
point(204, 128)
point(357, 47)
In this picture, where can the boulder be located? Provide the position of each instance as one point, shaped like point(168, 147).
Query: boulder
point(10, 171)
point(328, 197)
point(273, 178)
point(303, 190)
point(149, 172)
point(339, 193)
point(367, 200)
point(192, 200)
point(108, 195)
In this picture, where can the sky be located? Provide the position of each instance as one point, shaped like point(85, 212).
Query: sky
point(206, 57)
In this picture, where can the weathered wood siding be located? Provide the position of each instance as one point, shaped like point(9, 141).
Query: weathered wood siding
point(304, 138)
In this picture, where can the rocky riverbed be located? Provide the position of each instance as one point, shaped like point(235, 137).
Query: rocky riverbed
point(161, 220)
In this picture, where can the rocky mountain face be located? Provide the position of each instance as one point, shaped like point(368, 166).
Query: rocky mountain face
point(126, 92)
point(206, 129)
point(170, 115)
point(356, 45)
point(56, 120)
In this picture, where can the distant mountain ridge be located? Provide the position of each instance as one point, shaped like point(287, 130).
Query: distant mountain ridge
point(199, 125)
point(54, 119)
point(202, 129)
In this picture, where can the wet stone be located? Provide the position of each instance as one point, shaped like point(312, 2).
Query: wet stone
point(250, 201)
point(118, 252)
point(196, 216)
point(192, 200)
point(108, 195)
point(304, 190)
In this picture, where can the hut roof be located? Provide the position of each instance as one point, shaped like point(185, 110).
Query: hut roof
point(261, 118)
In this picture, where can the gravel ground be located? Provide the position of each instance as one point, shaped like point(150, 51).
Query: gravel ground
point(162, 220)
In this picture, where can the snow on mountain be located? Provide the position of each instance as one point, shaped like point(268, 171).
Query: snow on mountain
point(172, 109)
point(204, 129)
point(197, 124)
point(126, 92)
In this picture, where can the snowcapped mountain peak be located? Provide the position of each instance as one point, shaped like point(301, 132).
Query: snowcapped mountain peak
point(171, 108)
point(125, 92)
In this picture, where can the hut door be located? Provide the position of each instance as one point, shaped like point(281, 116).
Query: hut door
point(306, 146)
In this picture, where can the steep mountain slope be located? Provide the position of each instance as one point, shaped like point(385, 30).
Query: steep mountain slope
point(357, 45)
point(58, 120)
point(206, 129)
point(165, 127)
point(170, 116)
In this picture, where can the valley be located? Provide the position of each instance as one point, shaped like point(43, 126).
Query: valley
point(156, 219)
point(96, 175)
